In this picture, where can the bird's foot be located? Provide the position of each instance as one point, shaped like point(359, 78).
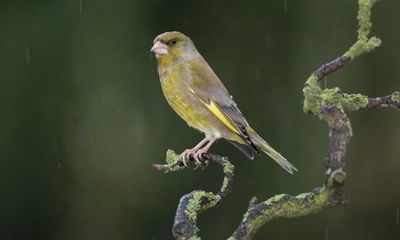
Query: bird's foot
point(198, 159)
point(185, 156)
point(197, 156)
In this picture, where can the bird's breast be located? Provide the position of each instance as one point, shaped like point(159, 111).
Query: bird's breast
point(175, 86)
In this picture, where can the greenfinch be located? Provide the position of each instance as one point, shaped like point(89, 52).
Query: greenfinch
point(198, 96)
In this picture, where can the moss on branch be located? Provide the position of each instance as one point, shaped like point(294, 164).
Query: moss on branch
point(193, 203)
point(279, 206)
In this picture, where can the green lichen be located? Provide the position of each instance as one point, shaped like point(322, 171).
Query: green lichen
point(291, 208)
point(312, 96)
point(363, 46)
point(195, 204)
point(364, 22)
point(172, 157)
point(373, 43)
point(364, 17)
point(172, 160)
point(302, 195)
point(275, 198)
point(213, 198)
point(245, 216)
point(224, 184)
point(195, 238)
point(284, 205)
point(329, 183)
point(253, 201)
point(228, 167)
point(302, 204)
point(396, 96)
point(344, 101)
point(332, 96)
point(353, 102)
point(355, 50)
point(321, 199)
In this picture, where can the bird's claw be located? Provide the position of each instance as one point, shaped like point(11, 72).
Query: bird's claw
point(185, 156)
point(197, 157)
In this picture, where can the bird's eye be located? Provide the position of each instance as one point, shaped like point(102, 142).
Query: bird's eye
point(171, 42)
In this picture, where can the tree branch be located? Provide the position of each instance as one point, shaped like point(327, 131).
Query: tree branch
point(392, 100)
point(193, 203)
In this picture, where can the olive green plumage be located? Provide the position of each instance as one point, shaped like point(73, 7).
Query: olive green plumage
point(198, 96)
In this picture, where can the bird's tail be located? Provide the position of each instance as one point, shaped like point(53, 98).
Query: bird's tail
point(262, 145)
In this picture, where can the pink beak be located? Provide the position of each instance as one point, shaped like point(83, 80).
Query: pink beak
point(160, 48)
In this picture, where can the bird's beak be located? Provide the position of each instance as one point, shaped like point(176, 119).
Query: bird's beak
point(159, 48)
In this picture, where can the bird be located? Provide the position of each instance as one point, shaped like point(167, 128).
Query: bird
point(198, 96)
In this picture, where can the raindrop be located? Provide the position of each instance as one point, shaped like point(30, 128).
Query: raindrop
point(138, 126)
point(397, 216)
point(326, 233)
point(27, 54)
point(285, 5)
point(80, 6)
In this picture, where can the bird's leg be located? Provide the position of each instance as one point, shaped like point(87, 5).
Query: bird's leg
point(185, 155)
point(198, 156)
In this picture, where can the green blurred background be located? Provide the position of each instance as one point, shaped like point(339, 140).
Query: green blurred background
point(83, 117)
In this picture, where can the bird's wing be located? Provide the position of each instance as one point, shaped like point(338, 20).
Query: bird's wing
point(213, 94)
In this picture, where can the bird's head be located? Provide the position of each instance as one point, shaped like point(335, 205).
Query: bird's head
point(170, 46)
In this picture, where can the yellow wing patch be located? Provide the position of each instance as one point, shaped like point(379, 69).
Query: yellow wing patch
point(218, 113)
point(221, 116)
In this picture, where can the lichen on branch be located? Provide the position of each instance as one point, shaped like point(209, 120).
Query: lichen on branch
point(282, 205)
point(195, 202)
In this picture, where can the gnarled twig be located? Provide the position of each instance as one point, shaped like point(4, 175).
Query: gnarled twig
point(392, 100)
point(193, 203)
